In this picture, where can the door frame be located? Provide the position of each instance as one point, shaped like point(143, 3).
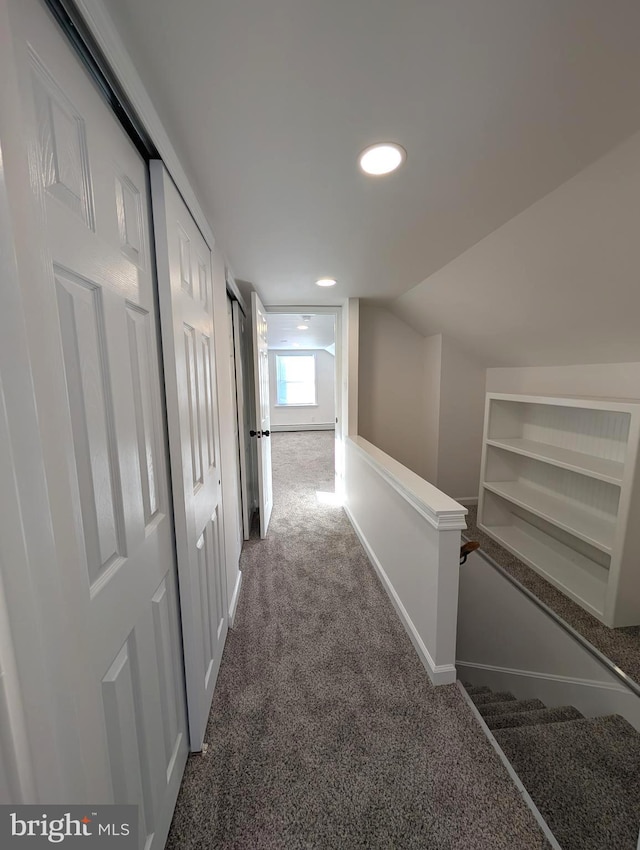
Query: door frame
point(261, 393)
point(240, 386)
point(337, 311)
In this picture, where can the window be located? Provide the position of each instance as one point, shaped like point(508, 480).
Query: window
point(296, 379)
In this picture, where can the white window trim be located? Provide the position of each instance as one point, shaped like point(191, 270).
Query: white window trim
point(305, 353)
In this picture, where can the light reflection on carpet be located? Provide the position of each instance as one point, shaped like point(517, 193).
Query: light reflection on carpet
point(328, 498)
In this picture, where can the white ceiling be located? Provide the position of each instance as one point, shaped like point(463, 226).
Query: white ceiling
point(268, 104)
point(497, 102)
point(283, 331)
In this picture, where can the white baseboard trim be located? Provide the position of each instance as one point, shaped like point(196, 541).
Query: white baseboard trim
point(467, 500)
point(315, 426)
point(544, 826)
point(233, 607)
point(443, 674)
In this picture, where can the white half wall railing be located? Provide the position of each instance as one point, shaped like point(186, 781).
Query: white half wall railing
point(411, 532)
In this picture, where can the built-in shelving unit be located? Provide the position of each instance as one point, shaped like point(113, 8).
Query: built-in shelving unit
point(559, 490)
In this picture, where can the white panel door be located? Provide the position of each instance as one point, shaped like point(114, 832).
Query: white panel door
point(263, 412)
point(239, 331)
point(186, 309)
point(93, 341)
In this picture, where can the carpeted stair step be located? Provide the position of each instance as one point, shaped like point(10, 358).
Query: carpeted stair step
point(510, 707)
point(584, 777)
point(476, 690)
point(529, 718)
point(498, 696)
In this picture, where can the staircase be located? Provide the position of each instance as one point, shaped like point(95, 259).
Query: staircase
point(583, 774)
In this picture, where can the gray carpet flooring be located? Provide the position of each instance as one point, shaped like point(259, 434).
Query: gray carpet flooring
point(583, 774)
point(622, 646)
point(325, 731)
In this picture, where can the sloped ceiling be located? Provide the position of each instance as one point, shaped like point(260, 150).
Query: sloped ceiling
point(558, 284)
point(497, 102)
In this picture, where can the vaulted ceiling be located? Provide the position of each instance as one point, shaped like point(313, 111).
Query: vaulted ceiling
point(269, 103)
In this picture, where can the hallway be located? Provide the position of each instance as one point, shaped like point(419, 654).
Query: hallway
point(325, 731)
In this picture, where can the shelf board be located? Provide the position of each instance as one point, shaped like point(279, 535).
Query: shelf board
point(576, 576)
point(594, 529)
point(617, 405)
point(604, 470)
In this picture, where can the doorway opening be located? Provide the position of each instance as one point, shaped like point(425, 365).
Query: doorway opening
point(293, 383)
point(303, 386)
point(297, 389)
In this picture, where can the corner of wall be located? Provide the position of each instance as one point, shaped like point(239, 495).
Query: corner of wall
point(431, 399)
point(462, 396)
point(391, 388)
point(350, 366)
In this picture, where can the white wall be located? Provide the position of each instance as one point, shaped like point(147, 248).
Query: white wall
point(462, 394)
point(391, 387)
point(324, 412)
point(431, 405)
point(393, 510)
point(347, 360)
point(350, 366)
point(603, 380)
point(421, 401)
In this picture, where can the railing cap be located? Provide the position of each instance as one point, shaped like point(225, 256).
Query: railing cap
point(440, 510)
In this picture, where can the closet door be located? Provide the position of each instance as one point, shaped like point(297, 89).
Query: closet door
point(93, 345)
point(186, 306)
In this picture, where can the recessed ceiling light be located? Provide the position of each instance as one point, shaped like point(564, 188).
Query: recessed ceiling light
point(295, 344)
point(303, 327)
point(382, 158)
point(326, 281)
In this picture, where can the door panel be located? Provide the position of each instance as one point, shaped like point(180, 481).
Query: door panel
point(64, 156)
point(184, 269)
point(141, 350)
point(93, 345)
point(263, 412)
point(167, 641)
point(125, 736)
point(83, 332)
